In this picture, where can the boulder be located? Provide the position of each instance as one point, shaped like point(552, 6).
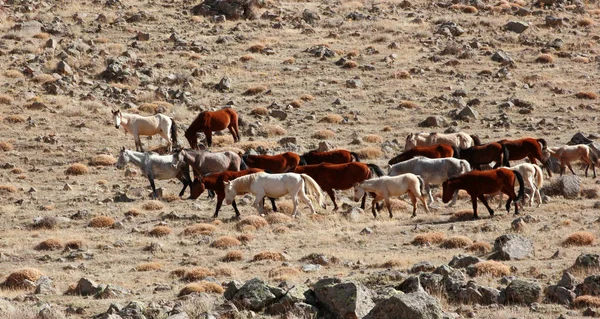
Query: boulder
point(567, 281)
point(325, 146)
point(354, 84)
point(559, 294)
point(225, 84)
point(411, 284)
point(278, 114)
point(231, 9)
point(516, 26)
point(587, 261)
point(134, 310)
point(110, 292)
point(310, 17)
point(85, 287)
point(579, 138)
point(502, 57)
point(422, 266)
point(511, 247)
point(468, 113)
point(44, 286)
point(522, 292)
point(590, 286)
point(471, 293)
point(434, 121)
point(463, 261)
point(567, 186)
point(254, 295)
point(416, 305)
point(344, 299)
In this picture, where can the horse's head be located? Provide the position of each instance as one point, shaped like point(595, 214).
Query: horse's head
point(117, 117)
point(229, 193)
point(447, 192)
point(178, 158)
point(197, 188)
point(123, 159)
point(359, 192)
point(411, 141)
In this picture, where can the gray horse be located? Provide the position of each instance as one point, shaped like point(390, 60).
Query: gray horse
point(432, 170)
point(204, 162)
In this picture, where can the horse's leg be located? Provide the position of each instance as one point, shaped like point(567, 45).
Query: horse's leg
point(151, 179)
point(539, 196)
point(208, 135)
point(331, 194)
point(273, 204)
point(428, 190)
point(219, 203)
point(373, 204)
point(413, 200)
point(474, 202)
point(235, 138)
point(165, 135)
point(305, 199)
point(138, 142)
point(237, 212)
point(422, 199)
point(454, 198)
point(364, 199)
point(572, 171)
point(486, 204)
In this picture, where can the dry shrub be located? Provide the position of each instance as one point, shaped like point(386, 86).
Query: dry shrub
point(246, 238)
point(199, 229)
point(392, 263)
point(544, 58)
point(153, 205)
point(178, 272)
point(134, 212)
point(6, 99)
point(428, 238)
point(198, 274)
point(462, 215)
point(42, 36)
point(152, 266)
point(281, 229)
point(586, 301)
point(585, 22)
point(160, 231)
point(268, 255)
point(492, 268)
point(101, 222)
point(480, 247)
point(103, 160)
point(581, 59)
point(273, 130)
point(372, 138)
point(247, 229)
point(332, 118)
point(77, 169)
point(14, 74)
point(225, 242)
point(43, 78)
point(49, 244)
point(296, 104)
point(278, 218)
point(370, 153)
point(6, 146)
point(17, 170)
point(169, 198)
point(255, 90)
point(246, 146)
point(17, 279)
point(260, 111)
point(46, 222)
point(586, 95)
point(456, 242)
point(289, 61)
point(323, 134)
point(234, 255)
point(14, 119)
point(285, 207)
point(224, 271)
point(246, 58)
point(307, 97)
point(255, 48)
point(408, 105)
point(283, 273)
point(76, 244)
point(7, 189)
point(253, 220)
point(580, 238)
point(402, 74)
point(350, 64)
point(203, 286)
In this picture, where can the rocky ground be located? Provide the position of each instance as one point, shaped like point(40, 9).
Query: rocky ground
point(81, 238)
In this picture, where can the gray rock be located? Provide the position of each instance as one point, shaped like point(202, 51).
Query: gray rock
point(417, 305)
point(472, 293)
point(522, 292)
point(422, 266)
point(366, 230)
point(344, 299)
point(44, 286)
point(311, 268)
point(468, 113)
point(86, 287)
point(553, 21)
point(288, 140)
point(254, 295)
point(560, 295)
point(411, 284)
point(567, 186)
point(579, 138)
point(463, 261)
point(502, 57)
point(310, 17)
point(354, 84)
point(225, 85)
point(590, 286)
point(325, 146)
point(110, 292)
point(293, 296)
point(278, 114)
point(434, 121)
point(511, 247)
point(232, 9)
point(432, 283)
point(450, 29)
point(516, 26)
point(181, 315)
point(134, 310)
point(567, 281)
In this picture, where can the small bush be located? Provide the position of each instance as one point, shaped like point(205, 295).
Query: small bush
point(392, 263)
point(586, 301)
point(585, 22)
point(283, 273)
point(6, 99)
point(323, 134)
point(17, 170)
point(253, 220)
point(134, 212)
point(14, 119)
point(225, 242)
point(152, 266)
point(408, 105)
point(247, 229)
point(281, 229)
point(153, 205)
point(580, 238)
point(7, 189)
point(101, 222)
point(370, 153)
point(428, 238)
point(492, 268)
point(289, 61)
point(273, 130)
point(6, 146)
point(178, 272)
point(307, 98)
point(350, 64)
point(332, 118)
point(462, 215)
point(102, 160)
point(49, 244)
point(544, 58)
point(256, 48)
point(372, 138)
point(17, 279)
point(587, 95)
point(260, 111)
point(255, 90)
point(198, 274)
point(77, 169)
point(43, 78)
point(199, 229)
point(234, 255)
point(224, 271)
point(278, 218)
point(480, 247)
point(246, 238)
point(160, 231)
point(268, 255)
point(14, 74)
point(76, 244)
point(246, 58)
point(402, 74)
point(456, 242)
point(296, 104)
point(203, 286)
point(46, 222)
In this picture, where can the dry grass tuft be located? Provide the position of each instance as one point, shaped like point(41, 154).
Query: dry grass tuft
point(323, 134)
point(462, 215)
point(544, 58)
point(402, 74)
point(225, 242)
point(198, 274)
point(259, 111)
point(203, 286)
point(224, 271)
point(492, 268)
point(246, 58)
point(586, 301)
point(393, 263)
point(43, 78)
point(372, 138)
point(153, 205)
point(278, 218)
point(17, 279)
point(6, 146)
point(480, 247)
point(256, 48)
point(246, 238)
point(586, 22)
point(76, 244)
point(268, 255)
point(101, 222)
point(6, 99)
point(199, 229)
point(134, 212)
point(247, 229)
point(283, 273)
point(13, 74)
point(17, 170)
point(152, 266)
point(49, 244)
point(7, 189)
point(586, 95)
point(307, 98)
point(234, 255)
point(580, 238)
point(42, 36)
point(253, 220)
point(102, 160)
point(77, 169)
point(289, 61)
point(332, 118)
point(160, 231)
point(255, 90)
point(428, 238)
point(14, 119)
point(281, 229)
point(350, 64)
point(408, 105)
point(273, 130)
point(456, 242)
point(178, 272)
point(296, 104)
point(370, 153)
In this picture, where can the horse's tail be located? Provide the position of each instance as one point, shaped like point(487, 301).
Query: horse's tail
point(505, 155)
point(375, 169)
point(422, 187)
point(466, 165)
point(543, 142)
point(243, 165)
point(593, 156)
point(539, 176)
point(476, 140)
point(356, 157)
point(302, 161)
point(456, 151)
point(314, 188)
point(173, 133)
point(245, 159)
point(521, 193)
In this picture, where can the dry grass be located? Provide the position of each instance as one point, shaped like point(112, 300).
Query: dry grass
point(17, 170)
point(428, 238)
point(246, 58)
point(14, 119)
point(42, 36)
point(256, 144)
point(268, 255)
point(178, 272)
point(102, 160)
point(153, 205)
point(199, 229)
point(76, 244)
point(296, 104)
point(6, 147)
point(260, 111)
point(480, 247)
point(370, 153)
point(462, 215)
point(234, 255)
point(224, 271)
point(247, 229)
point(350, 64)
point(281, 229)
point(580, 238)
point(151, 266)
point(392, 263)
point(585, 22)
point(101, 222)
point(278, 218)
point(544, 58)
point(253, 220)
point(225, 242)
point(255, 90)
point(17, 279)
point(332, 119)
point(49, 244)
point(200, 287)
point(323, 134)
point(456, 242)
point(43, 78)
point(7, 189)
point(283, 273)
point(492, 268)
point(246, 238)
point(77, 169)
point(6, 99)
point(256, 48)
point(464, 8)
point(588, 95)
point(586, 301)
point(402, 74)
point(13, 74)
point(273, 130)
point(160, 231)
point(372, 138)
point(307, 97)
point(289, 61)
point(134, 212)
point(198, 274)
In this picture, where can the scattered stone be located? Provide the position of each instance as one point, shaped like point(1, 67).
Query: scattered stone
point(232, 9)
point(278, 114)
point(254, 295)
point(44, 286)
point(325, 146)
point(366, 231)
point(559, 294)
point(567, 186)
point(311, 268)
point(344, 299)
point(502, 57)
point(516, 26)
point(63, 68)
point(553, 21)
point(587, 261)
point(468, 113)
point(511, 247)
point(225, 85)
point(463, 261)
point(522, 292)
point(422, 266)
point(590, 286)
point(417, 305)
point(354, 84)
point(450, 29)
point(310, 17)
point(434, 121)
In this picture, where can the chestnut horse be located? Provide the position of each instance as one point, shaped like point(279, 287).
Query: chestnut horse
point(209, 122)
point(339, 176)
point(527, 147)
point(480, 183)
point(281, 163)
point(485, 154)
point(216, 183)
point(433, 151)
point(332, 157)
point(570, 153)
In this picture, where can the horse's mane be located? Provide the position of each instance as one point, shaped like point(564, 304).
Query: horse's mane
point(244, 182)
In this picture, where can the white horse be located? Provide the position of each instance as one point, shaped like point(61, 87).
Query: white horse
point(571, 153)
point(533, 178)
point(432, 170)
point(460, 139)
point(274, 186)
point(147, 125)
point(386, 186)
point(155, 166)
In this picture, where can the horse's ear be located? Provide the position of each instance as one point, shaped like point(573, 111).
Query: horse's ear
point(123, 149)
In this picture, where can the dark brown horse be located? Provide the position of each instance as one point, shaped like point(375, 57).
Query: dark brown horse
point(209, 122)
point(216, 183)
point(528, 147)
point(433, 151)
point(480, 183)
point(281, 163)
point(485, 154)
point(340, 176)
point(332, 157)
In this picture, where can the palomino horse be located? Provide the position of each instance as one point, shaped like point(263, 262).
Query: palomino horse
point(433, 151)
point(534, 179)
point(275, 186)
point(570, 153)
point(147, 125)
point(460, 139)
point(216, 183)
point(204, 162)
point(485, 154)
point(209, 122)
point(332, 157)
point(281, 163)
point(432, 171)
point(386, 186)
point(527, 147)
point(480, 183)
point(339, 176)
point(155, 166)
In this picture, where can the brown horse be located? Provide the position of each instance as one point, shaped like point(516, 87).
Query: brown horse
point(484, 154)
point(571, 153)
point(480, 183)
point(281, 163)
point(332, 157)
point(209, 122)
point(527, 147)
point(216, 183)
point(433, 151)
point(339, 176)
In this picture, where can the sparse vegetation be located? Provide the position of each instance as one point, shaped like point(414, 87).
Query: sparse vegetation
point(101, 222)
point(370, 153)
point(6, 146)
point(480, 247)
point(255, 90)
point(77, 169)
point(160, 231)
point(323, 134)
point(198, 274)
point(492, 268)
point(588, 95)
point(151, 266)
point(283, 273)
point(49, 244)
point(544, 58)
point(102, 160)
point(253, 220)
point(268, 255)
point(19, 278)
point(372, 138)
point(260, 111)
point(580, 238)
point(428, 238)
point(332, 118)
point(199, 229)
point(234, 255)
point(203, 286)
point(225, 242)
point(153, 205)
point(457, 242)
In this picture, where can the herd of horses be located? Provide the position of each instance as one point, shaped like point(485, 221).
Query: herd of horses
point(456, 161)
